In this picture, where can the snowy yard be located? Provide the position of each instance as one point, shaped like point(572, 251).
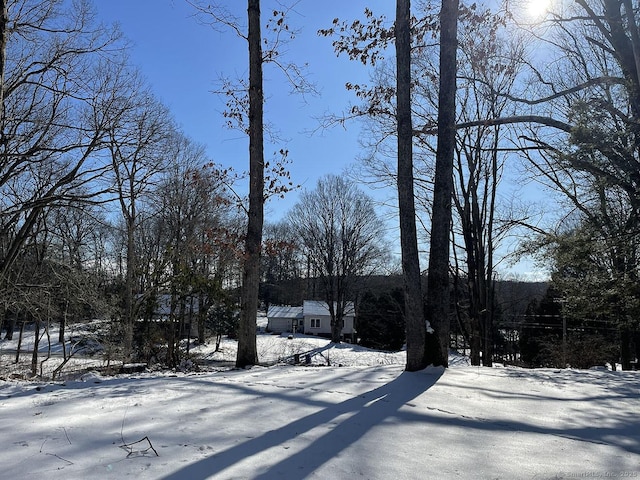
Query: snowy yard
point(365, 419)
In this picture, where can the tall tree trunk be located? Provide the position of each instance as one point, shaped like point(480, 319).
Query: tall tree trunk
point(414, 303)
point(438, 288)
point(490, 281)
point(4, 19)
point(247, 349)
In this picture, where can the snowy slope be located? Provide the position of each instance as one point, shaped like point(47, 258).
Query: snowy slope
point(354, 421)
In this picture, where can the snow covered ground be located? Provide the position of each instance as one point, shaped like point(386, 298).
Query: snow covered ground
point(365, 419)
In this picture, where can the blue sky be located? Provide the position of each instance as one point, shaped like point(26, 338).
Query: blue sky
point(184, 60)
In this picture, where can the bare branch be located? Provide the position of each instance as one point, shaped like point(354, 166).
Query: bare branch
point(546, 121)
point(215, 16)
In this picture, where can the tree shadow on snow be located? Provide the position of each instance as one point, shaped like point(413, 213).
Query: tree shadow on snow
point(347, 422)
point(367, 411)
point(617, 384)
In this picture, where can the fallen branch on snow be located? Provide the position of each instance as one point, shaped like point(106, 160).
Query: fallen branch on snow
point(129, 447)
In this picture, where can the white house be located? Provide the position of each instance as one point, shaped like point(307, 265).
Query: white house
point(312, 318)
point(282, 319)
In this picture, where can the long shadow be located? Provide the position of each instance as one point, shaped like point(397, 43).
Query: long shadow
point(620, 384)
point(618, 429)
point(369, 409)
point(37, 387)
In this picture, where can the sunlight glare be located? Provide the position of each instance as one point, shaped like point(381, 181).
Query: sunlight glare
point(537, 8)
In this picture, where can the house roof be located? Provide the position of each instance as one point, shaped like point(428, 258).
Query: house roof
point(315, 307)
point(279, 311)
point(310, 307)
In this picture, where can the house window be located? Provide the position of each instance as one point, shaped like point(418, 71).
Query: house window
point(315, 323)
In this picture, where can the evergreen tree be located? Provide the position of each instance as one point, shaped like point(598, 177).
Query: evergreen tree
point(381, 323)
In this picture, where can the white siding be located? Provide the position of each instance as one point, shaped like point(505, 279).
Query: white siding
point(281, 318)
point(279, 325)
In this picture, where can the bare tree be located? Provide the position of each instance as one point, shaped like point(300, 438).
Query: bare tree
point(189, 215)
point(4, 35)
point(282, 265)
point(438, 284)
point(343, 240)
point(75, 274)
point(590, 153)
point(247, 348)
point(138, 145)
point(414, 302)
point(247, 114)
point(59, 82)
point(487, 72)
point(366, 43)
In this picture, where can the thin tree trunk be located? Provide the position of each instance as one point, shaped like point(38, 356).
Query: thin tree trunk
point(438, 288)
point(247, 348)
point(20, 337)
point(202, 318)
point(414, 303)
point(487, 352)
point(129, 280)
point(4, 19)
point(62, 330)
point(172, 341)
point(491, 284)
point(9, 322)
point(36, 345)
point(475, 343)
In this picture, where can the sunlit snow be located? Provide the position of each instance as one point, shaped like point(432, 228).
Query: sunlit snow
point(360, 418)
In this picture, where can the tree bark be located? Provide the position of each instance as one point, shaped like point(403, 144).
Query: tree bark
point(438, 289)
point(414, 303)
point(247, 349)
point(337, 325)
